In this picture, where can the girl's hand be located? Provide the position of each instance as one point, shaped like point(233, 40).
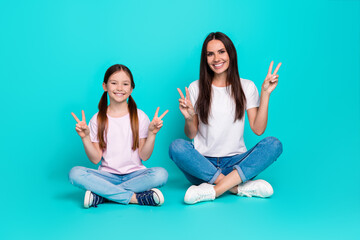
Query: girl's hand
point(271, 80)
point(157, 123)
point(81, 127)
point(185, 106)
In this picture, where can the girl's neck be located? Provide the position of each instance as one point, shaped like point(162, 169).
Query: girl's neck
point(219, 80)
point(117, 109)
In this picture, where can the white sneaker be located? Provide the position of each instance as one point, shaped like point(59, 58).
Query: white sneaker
point(255, 188)
point(203, 192)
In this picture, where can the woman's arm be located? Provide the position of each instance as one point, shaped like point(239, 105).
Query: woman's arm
point(92, 150)
point(146, 145)
point(258, 116)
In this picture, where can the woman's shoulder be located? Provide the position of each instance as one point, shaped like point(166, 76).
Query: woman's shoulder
point(194, 84)
point(246, 83)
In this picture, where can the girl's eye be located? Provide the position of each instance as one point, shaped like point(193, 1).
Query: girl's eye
point(113, 83)
point(222, 51)
point(209, 54)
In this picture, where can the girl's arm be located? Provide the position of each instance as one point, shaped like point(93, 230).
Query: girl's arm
point(146, 145)
point(92, 150)
point(258, 116)
point(187, 110)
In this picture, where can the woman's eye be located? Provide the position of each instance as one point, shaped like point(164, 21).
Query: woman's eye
point(222, 51)
point(209, 54)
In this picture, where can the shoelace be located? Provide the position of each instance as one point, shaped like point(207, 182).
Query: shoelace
point(248, 193)
point(146, 198)
point(204, 195)
point(97, 200)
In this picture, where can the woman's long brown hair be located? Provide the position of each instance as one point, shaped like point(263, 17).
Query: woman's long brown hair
point(203, 103)
point(102, 118)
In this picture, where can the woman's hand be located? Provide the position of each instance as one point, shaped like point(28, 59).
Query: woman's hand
point(271, 79)
point(81, 127)
point(185, 106)
point(156, 124)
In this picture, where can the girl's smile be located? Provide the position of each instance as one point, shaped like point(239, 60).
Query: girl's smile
point(118, 87)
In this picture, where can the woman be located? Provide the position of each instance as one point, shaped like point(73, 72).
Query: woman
point(214, 109)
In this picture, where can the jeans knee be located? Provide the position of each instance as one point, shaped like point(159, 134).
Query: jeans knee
point(274, 144)
point(178, 146)
point(75, 172)
point(160, 176)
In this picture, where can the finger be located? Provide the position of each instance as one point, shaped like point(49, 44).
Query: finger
point(270, 67)
point(163, 115)
point(277, 69)
point(187, 93)
point(77, 129)
point(156, 112)
point(75, 117)
point(159, 126)
point(181, 94)
point(83, 116)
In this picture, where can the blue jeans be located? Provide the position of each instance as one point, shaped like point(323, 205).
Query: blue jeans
point(115, 187)
point(198, 168)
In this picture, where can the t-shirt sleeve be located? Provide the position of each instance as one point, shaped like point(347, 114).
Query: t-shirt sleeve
point(93, 129)
point(193, 95)
point(252, 96)
point(144, 122)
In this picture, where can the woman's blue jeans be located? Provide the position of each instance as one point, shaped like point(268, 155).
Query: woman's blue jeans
point(198, 168)
point(115, 187)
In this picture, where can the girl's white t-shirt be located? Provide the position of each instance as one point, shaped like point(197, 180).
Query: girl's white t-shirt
point(222, 136)
point(119, 158)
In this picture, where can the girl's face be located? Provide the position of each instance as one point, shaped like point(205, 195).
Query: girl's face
point(118, 87)
point(217, 56)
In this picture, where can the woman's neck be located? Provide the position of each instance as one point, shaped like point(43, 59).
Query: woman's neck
point(118, 109)
point(219, 80)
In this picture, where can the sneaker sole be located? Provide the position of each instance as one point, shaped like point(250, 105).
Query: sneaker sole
point(160, 195)
point(87, 199)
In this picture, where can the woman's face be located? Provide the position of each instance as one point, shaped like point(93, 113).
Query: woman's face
point(118, 87)
point(217, 56)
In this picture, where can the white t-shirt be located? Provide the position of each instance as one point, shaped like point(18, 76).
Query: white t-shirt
point(119, 158)
point(222, 136)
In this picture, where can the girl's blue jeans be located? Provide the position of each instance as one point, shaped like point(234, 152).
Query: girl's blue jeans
point(115, 187)
point(198, 168)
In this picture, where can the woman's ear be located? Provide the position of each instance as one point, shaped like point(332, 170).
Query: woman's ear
point(104, 87)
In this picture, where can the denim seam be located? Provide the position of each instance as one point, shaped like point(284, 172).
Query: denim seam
point(238, 168)
point(216, 175)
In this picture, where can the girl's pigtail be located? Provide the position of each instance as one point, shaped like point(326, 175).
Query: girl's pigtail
point(134, 122)
point(102, 121)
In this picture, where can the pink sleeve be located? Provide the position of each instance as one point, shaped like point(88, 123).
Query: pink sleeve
point(93, 129)
point(144, 122)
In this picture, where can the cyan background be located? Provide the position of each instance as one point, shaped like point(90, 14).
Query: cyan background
point(54, 55)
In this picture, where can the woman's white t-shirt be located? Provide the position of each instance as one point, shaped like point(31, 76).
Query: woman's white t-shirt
point(222, 136)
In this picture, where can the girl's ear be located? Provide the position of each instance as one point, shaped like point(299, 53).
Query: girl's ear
point(104, 87)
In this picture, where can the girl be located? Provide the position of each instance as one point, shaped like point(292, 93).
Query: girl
point(119, 136)
point(214, 109)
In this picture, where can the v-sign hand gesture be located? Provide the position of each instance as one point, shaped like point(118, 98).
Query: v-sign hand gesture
point(271, 79)
point(157, 123)
point(81, 127)
point(185, 106)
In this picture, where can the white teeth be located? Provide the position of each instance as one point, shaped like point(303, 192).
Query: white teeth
point(218, 65)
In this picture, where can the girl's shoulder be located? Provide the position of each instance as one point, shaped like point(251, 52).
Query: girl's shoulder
point(93, 120)
point(142, 115)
